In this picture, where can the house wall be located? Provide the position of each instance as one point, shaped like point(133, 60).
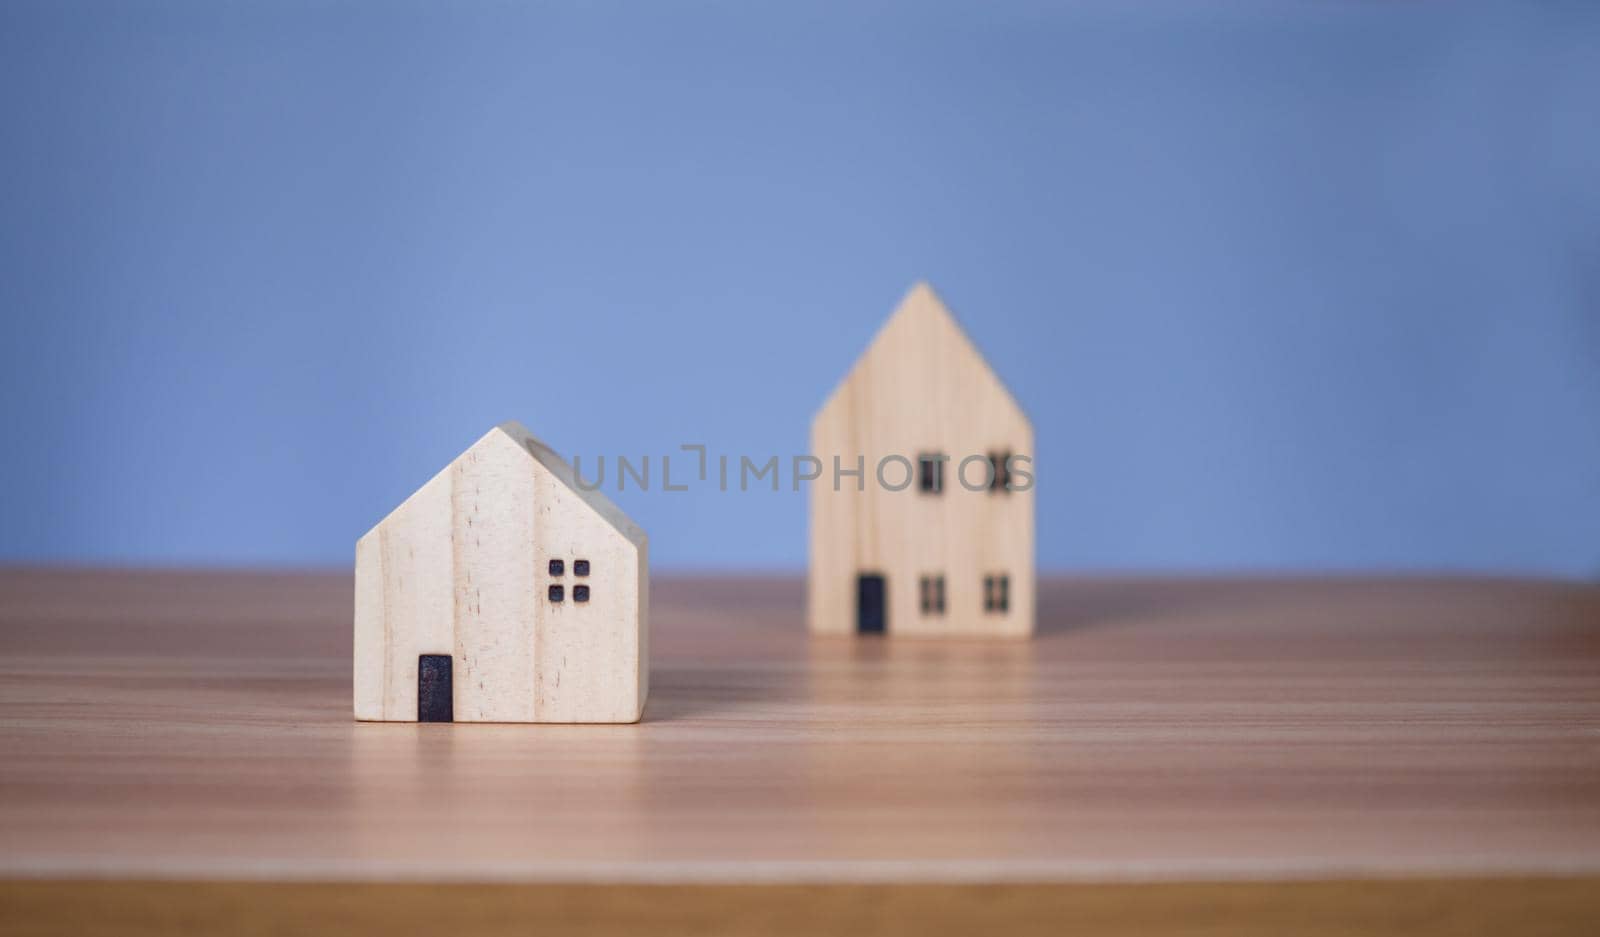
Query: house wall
point(405, 601)
point(589, 656)
point(462, 568)
point(921, 387)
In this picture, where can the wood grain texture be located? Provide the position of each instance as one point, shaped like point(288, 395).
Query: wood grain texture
point(920, 387)
point(1415, 908)
point(163, 725)
point(462, 570)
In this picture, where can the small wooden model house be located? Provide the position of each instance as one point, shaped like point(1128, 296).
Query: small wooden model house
point(935, 535)
point(502, 591)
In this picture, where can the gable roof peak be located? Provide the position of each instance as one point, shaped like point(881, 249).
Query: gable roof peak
point(564, 473)
point(923, 303)
point(920, 311)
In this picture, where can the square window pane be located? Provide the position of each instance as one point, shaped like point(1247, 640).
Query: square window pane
point(1000, 480)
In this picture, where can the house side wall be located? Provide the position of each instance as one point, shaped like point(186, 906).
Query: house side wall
point(642, 668)
point(589, 653)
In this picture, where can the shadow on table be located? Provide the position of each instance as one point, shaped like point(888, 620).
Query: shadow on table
point(1069, 606)
point(678, 692)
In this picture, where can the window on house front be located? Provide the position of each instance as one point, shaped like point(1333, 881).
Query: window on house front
point(997, 593)
point(931, 589)
point(1000, 476)
point(930, 473)
point(558, 592)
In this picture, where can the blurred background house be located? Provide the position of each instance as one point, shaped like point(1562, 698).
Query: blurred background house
point(1281, 286)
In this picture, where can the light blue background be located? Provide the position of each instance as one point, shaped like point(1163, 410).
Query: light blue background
point(1281, 285)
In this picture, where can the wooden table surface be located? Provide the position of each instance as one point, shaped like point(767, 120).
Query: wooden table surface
point(197, 727)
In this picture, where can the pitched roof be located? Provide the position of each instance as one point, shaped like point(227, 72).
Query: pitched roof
point(903, 337)
point(564, 473)
point(536, 450)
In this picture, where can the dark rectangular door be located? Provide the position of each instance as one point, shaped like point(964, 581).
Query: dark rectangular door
point(871, 601)
point(435, 695)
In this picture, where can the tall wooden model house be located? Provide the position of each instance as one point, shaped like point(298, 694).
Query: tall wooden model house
point(935, 536)
point(502, 591)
